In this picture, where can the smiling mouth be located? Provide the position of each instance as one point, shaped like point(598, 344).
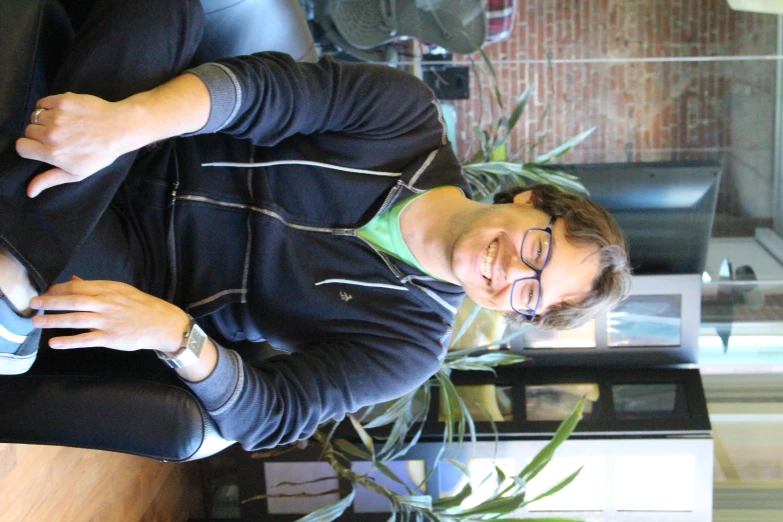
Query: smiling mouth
point(486, 262)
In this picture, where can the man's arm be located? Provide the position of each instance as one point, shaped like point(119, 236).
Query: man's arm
point(277, 402)
point(81, 134)
point(265, 98)
point(120, 317)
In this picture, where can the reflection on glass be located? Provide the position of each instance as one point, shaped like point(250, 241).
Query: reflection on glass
point(646, 320)
point(655, 483)
point(644, 401)
point(586, 493)
point(582, 337)
point(277, 473)
point(555, 402)
point(411, 472)
point(484, 479)
point(485, 402)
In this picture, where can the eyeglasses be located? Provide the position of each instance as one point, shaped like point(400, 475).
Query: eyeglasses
point(535, 251)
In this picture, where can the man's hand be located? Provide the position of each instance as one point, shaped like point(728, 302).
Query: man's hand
point(77, 134)
point(80, 134)
point(118, 316)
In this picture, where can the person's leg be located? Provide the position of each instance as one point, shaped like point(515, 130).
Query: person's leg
point(123, 48)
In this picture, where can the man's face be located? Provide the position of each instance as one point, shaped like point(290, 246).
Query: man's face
point(485, 257)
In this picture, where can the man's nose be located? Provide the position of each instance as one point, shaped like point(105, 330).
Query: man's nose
point(518, 269)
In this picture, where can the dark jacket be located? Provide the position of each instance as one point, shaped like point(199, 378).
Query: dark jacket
point(271, 252)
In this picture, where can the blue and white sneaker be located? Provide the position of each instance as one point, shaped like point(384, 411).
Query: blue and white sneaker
point(18, 339)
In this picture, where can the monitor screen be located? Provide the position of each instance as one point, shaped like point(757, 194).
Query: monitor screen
point(666, 210)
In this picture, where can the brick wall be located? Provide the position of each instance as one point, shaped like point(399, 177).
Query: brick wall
point(643, 111)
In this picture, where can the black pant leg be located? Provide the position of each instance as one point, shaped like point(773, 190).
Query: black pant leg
point(122, 48)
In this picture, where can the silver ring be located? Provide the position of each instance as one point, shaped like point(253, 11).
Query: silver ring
point(36, 114)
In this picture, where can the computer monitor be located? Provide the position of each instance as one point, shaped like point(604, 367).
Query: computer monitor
point(665, 209)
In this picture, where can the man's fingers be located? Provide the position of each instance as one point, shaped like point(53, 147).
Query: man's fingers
point(50, 102)
point(79, 286)
point(32, 149)
point(94, 339)
point(84, 303)
point(80, 320)
point(50, 178)
point(43, 116)
point(35, 133)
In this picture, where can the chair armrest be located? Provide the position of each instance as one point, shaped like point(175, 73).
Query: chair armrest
point(241, 27)
point(150, 419)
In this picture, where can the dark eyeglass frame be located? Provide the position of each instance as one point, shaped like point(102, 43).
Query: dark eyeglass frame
point(532, 315)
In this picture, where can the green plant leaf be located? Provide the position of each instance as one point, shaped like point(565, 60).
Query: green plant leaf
point(422, 401)
point(392, 413)
point(519, 108)
point(366, 439)
point(545, 519)
point(451, 356)
point(416, 501)
point(557, 487)
point(454, 500)
point(495, 168)
point(533, 472)
point(331, 512)
point(512, 121)
point(491, 68)
point(398, 433)
point(501, 474)
point(496, 506)
point(420, 420)
point(563, 432)
point(466, 365)
point(393, 476)
point(559, 178)
point(483, 191)
point(497, 359)
point(434, 467)
point(461, 466)
point(349, 448)
point(466, 323)
point(456, 402)
point(565, 147)
point(418, 408)
point(446, 409)
point(327, 437)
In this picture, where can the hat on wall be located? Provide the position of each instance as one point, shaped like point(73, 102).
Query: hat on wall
point(459, 26)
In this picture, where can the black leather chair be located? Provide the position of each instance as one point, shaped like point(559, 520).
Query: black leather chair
point(104, 399)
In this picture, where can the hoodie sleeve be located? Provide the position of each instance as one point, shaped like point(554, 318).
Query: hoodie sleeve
point(267, 97)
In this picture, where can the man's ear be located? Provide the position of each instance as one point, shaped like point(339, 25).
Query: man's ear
point(523, 198)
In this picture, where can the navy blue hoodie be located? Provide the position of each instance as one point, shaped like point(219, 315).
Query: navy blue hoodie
point(270, 252)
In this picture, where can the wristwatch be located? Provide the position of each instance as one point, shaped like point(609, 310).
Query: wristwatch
point(190, 350)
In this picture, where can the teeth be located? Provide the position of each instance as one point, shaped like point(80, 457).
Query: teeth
point(489, 256)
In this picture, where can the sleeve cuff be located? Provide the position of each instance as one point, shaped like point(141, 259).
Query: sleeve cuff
point(225, 95)
point(220, 390)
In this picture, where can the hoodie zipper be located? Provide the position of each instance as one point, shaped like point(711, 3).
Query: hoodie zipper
point(270, 213)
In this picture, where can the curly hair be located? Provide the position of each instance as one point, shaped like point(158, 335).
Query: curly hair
point(585, 223)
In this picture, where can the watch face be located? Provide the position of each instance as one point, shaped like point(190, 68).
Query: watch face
point(191, 353)
point(196, 340)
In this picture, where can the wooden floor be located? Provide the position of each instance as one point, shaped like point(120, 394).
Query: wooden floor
point(53, 484)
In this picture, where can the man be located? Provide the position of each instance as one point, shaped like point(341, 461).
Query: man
point(342, 234)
